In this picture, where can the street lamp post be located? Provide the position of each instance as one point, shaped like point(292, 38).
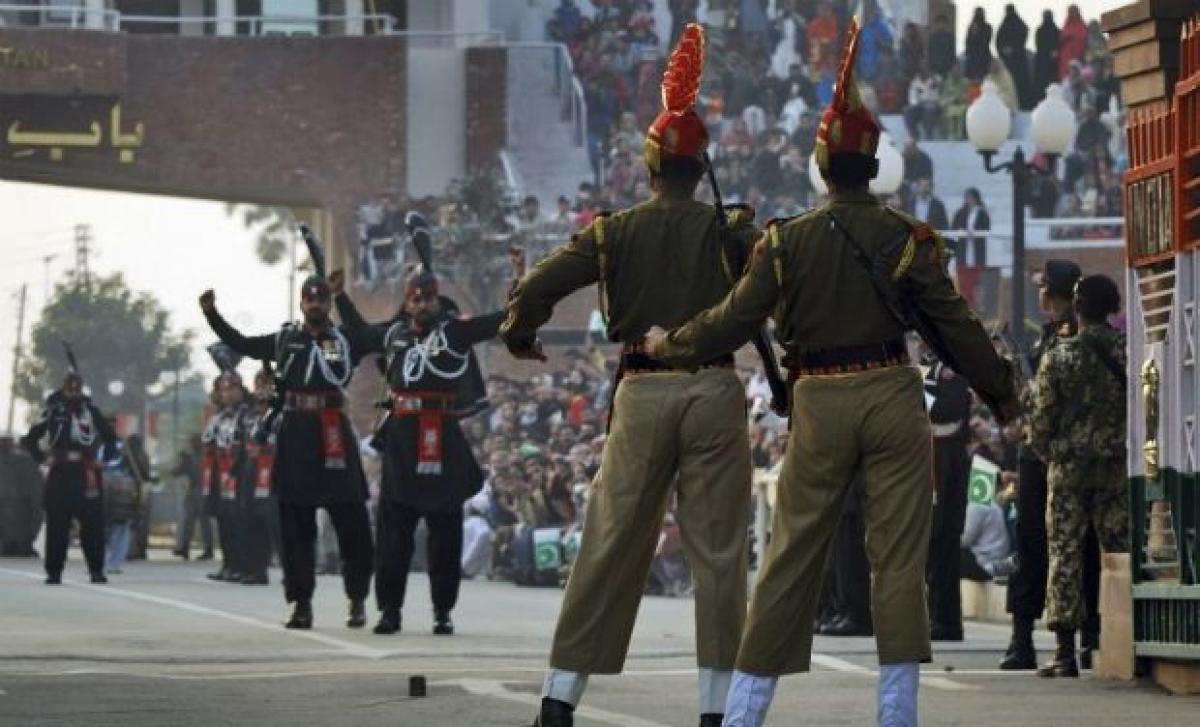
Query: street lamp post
point(988, 124)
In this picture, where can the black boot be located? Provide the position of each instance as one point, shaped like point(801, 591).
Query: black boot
point(99, 577)
point(206, 555)
point(711, 720)
point(1020, 654)
point(1063, 664)
point(555, 713)
point(1089, 642)
point(389, 621)
point(54, 579)
point(442, 625)
point(302, 617)
point(358, 614)
point(221, 575)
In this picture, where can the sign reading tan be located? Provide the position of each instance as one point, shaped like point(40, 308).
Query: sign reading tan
point(28, 59)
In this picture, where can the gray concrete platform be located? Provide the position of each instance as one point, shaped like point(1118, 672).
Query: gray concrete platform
point(162, 645)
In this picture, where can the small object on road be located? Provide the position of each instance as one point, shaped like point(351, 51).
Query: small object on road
point(949, 667)
point(416, 686)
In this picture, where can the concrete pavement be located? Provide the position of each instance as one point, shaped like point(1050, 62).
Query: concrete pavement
point(163, 645)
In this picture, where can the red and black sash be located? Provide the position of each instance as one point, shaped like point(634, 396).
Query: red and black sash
point(226, 475)
point(262, 459)
point(208, 463)
point(429, 408)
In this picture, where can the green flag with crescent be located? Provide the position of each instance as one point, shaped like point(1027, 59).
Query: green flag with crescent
point(981, 486)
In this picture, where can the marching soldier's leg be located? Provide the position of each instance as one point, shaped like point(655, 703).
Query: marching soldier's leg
point(821, 457)
point(394, 544)
point(445, 564)
point(298, 523)
point(1026, 594)
point(352, 526)
point(1066, 524)
point(91, 536)
point(897, 464)
point(714, 509)
point(58, 534)
point(621, 529)
point(1110, 506)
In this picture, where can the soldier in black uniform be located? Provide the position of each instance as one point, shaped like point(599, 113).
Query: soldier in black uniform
point(259, 509)
point(317, 464)
point(1026, 595)
point(428, 467)
point(948, 415)
point(77, 431)
point(224, 440)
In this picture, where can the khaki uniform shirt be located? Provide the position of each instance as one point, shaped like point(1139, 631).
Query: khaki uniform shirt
point(804, 272)
point(659, 263)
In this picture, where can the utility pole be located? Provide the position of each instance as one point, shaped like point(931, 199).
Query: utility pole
point(83, 241)
point(12, 394)
point(46, 260)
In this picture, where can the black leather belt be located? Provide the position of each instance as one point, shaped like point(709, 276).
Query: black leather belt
point(633, 361)
point(848, 359)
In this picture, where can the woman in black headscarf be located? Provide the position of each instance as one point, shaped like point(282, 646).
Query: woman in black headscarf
point(1010, 45)
point(1045, 62)
point(979, 42)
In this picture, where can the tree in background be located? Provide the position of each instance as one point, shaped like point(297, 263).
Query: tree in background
point(276, 228)
point(118, 335)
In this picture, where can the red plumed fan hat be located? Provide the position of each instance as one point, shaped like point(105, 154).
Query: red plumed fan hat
point(847, 126)
point(678, 130)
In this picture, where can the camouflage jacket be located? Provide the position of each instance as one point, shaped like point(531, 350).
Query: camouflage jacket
point(1078, 405)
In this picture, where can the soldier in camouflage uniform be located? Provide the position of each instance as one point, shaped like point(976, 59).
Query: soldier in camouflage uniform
point(658, 262)
point(1077, 425)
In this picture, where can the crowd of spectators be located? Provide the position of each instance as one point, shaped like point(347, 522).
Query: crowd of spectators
point(769, 76)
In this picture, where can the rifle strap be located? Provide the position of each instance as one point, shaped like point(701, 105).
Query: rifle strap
point(865, 261)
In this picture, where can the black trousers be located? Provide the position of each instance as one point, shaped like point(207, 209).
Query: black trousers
point(298, 528)
point(90, 514)
point(194, 512)
point(256, 536)
point(970, 569)
point(1026, 597)
point(397, 524)
point(229, 532)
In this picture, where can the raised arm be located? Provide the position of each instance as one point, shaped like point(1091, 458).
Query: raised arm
point(261, 348)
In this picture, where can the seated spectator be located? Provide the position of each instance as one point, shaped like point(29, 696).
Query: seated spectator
point(954, 104)
point(629, 133)
point(985, 544)
point(926, 207)
point(917, 164)
point(670, 574)
point(923, 115)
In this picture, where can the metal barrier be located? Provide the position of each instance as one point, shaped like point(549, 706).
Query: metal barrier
point(566, 85)
point(74, 16)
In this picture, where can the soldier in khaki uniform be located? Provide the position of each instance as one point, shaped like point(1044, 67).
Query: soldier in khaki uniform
point(1077, 426)
point(857, 404)
point(658, 262)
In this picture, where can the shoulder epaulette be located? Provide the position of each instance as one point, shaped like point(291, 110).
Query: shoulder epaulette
point(918, 232)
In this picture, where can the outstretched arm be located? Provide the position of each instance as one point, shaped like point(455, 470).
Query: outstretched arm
point(261, 348)
point(564, 271)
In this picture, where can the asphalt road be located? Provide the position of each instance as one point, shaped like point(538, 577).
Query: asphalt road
point(162, 645)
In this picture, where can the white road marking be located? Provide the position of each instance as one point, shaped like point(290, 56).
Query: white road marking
point(495, 689)
point(348, 647)
point(835, 664)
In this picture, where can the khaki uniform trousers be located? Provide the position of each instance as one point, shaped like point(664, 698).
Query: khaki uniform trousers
point(875, 420)
point(687, 430)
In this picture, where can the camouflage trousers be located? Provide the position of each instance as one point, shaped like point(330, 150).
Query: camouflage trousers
point(1089, 492)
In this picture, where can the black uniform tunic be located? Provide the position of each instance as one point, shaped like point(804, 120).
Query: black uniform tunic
point(320, 364)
